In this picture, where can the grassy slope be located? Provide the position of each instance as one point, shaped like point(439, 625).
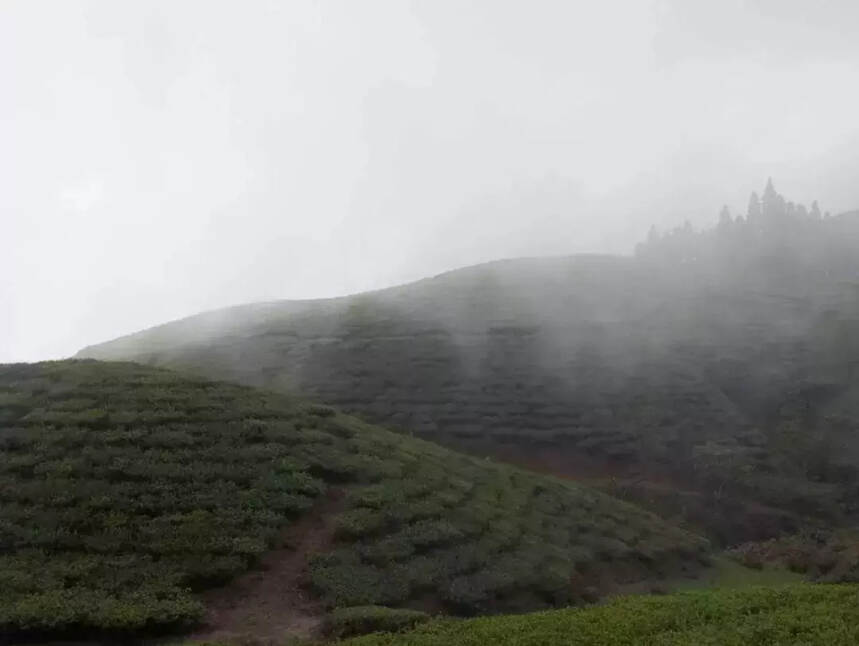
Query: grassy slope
point(721, 378)
point(124, 488)
point(794, 615)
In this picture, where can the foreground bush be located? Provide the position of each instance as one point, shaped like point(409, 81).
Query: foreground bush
point(796, 615)
point(345, 622)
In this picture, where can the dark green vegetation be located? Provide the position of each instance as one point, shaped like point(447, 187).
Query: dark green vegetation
point(821, 556)
point(124, 489)
point(360, 620)
point(714, 376)
point(796, 615)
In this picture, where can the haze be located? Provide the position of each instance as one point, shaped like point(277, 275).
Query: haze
point(162, 158)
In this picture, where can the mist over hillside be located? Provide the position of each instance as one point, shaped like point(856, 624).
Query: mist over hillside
point(714, 370)
point(421, 323)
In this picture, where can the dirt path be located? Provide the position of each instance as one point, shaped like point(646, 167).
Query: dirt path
point(271, 603)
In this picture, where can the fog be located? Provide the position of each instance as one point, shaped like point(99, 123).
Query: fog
point(162, 158)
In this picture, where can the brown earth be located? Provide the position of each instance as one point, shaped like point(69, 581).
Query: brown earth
point(272, 603)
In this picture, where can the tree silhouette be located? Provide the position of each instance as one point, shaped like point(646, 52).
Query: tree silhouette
point(815, 210)
point(753, 214)
point(725, 219)
point(773, 206)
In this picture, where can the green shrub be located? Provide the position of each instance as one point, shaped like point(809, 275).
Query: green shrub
point(133, 486)
point(321, 411)
point(349, 584)
point(359, 620)
point(359, 522)
point(795, 615)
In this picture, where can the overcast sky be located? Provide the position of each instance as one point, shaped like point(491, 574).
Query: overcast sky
point(162, 158)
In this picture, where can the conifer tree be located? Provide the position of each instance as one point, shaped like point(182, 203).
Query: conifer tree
point(725, 219)
point(753, 214)
point(815, 210)
point(773, 206)
point(769, 192)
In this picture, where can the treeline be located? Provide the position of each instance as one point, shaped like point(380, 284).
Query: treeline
point(772, 229)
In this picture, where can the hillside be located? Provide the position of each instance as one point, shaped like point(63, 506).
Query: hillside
point(126, 491)
point(797, 615)
point(712, 376)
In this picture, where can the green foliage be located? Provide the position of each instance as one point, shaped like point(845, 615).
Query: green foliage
point(795, 615)
point(359, 620)
point(482, 537)
point(827, 556)
point(725, 572)
point(124, 489)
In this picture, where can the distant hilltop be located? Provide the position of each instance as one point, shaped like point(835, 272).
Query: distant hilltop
point(714, 374)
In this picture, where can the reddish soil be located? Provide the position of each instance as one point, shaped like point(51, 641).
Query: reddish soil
point(269, 604)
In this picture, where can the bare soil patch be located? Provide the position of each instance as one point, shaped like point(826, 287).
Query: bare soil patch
point(273, 602)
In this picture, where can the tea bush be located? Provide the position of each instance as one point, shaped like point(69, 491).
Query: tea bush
point(126, 489)
point(345, 622)
point(794, 615)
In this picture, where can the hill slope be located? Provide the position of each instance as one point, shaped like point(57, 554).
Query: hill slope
point(124, 489)
point(717, 369)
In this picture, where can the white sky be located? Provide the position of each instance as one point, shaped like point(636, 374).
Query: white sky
point(161, 158)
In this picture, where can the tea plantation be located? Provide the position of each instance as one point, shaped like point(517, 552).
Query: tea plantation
point(722, 362)
point(125, 489)
point(800, 614)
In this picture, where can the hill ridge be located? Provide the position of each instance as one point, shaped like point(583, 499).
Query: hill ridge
point(719, 359)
